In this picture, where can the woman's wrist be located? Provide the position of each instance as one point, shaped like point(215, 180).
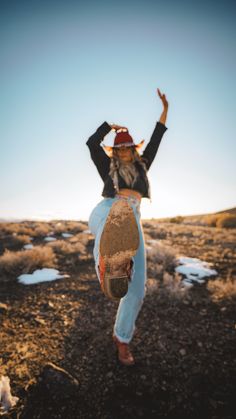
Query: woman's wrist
point(163, 115)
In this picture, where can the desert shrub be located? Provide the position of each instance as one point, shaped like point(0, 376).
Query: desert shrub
point(160, 254)
point(69, 226)
point(16, 228)
point(173, 285)
point(159, 258)
point(13, 241)
point(211, 220)
point(26, 261)
point(22, 239)
point(152, 285)
point(64, 247)
point(178, 219)
point(226, 220)
point(222, 288)
point(169, 284)
point(81, 237)
point(42, 229)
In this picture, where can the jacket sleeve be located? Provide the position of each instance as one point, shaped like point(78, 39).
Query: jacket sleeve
point(98, 155)
point(153, 145)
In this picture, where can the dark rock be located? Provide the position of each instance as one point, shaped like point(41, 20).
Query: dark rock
point(3, 308)
point(58, 381)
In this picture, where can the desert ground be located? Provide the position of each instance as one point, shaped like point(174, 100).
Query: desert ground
point(55, 336)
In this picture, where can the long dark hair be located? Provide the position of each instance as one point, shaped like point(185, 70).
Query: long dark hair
point(128, 171)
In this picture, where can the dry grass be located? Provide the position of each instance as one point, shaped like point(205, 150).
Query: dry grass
point(26, 261)
point(221, 289)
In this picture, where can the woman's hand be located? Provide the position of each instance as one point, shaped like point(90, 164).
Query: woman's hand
point(165, 106)
point(163, 99)
point(116, 127)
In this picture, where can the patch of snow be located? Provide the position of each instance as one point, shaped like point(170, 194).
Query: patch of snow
point(6, 399)
point(41, 275)
point(66, 235)
point(87, 231)
point(49, 239)
point(194, 269)
point(28, 246)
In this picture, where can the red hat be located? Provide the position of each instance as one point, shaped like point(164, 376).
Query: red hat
point(123, 139)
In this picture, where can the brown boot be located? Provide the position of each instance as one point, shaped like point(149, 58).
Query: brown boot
point(124, 354)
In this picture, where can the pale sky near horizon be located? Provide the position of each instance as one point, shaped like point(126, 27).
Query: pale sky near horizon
point(68, 66)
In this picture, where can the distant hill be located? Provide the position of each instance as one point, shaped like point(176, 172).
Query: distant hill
point(198, 219)
point(230, 211)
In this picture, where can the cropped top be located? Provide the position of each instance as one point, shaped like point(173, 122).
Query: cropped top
point(102, 161)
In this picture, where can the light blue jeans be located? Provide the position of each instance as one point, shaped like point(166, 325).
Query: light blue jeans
point(131, 303)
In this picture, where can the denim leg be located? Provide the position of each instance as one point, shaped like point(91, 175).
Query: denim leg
point(96, 224)
point(131, 303)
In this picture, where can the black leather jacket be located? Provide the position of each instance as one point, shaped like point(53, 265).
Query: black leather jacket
point(102, 161)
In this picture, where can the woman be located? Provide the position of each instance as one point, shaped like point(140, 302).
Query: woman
point(119, 250)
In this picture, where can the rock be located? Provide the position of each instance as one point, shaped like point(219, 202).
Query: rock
point(3, 308)
point(56, 383)
point(54, 376)
point(7, 401)
point(40, 321)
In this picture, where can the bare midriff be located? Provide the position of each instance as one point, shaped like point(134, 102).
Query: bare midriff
point(129, 192)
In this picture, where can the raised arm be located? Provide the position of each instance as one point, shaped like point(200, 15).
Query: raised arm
point(153, 145)
point(98, 155)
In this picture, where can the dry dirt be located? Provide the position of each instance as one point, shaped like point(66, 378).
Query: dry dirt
point(184, 347)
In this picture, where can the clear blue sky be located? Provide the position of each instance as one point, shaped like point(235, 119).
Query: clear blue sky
point(68, 66)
